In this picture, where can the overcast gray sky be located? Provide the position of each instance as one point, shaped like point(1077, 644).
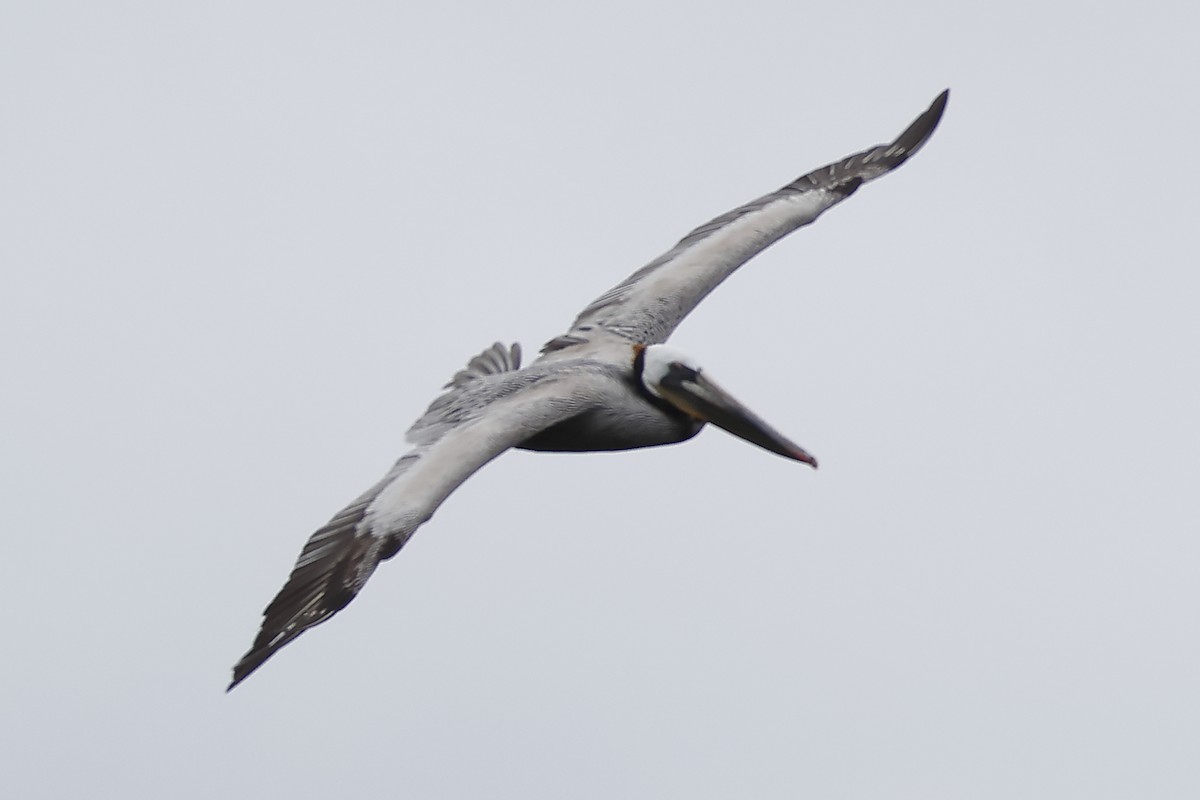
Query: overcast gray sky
point(245, 243)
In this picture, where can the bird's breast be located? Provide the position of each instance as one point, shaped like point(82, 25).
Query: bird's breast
point(623, 426)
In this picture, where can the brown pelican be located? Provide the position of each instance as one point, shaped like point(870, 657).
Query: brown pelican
point(609, 383)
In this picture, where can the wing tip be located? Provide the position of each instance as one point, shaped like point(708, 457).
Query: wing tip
point(273, 637)
point(244, 668)
point(265, 645)
point(937, 108)
point(939, 102)
point(916, 134)
point(844, 177)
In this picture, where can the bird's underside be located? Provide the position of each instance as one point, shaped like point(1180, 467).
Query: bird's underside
point(608, 383)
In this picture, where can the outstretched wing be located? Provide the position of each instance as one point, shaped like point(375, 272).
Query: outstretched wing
point(648, 305)
point(489, 408)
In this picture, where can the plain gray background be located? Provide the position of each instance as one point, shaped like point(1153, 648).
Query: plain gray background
point(244, 244)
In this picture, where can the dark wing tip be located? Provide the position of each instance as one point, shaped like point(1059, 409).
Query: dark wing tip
point(284, 622)
point(254, 659)
point(916, 134)
point(270, 640)
point(333, 566)
point(845, 176)
point(273, 635)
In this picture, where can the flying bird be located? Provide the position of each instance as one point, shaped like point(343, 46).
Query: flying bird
point(608, 383)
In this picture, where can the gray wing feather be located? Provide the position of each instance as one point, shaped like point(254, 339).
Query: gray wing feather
point(493, 361)
point(648, 305)
point(466, 427)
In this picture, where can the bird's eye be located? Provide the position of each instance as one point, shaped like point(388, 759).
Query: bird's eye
point(684, 371)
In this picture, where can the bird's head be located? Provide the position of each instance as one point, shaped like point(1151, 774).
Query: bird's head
point(676, 379)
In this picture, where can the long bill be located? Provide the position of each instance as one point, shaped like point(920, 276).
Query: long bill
point(695, 394)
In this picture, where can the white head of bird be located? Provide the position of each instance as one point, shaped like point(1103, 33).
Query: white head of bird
point(670, 375)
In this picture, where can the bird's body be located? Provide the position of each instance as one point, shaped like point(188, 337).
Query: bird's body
point(609, 383)
point(623, 417)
